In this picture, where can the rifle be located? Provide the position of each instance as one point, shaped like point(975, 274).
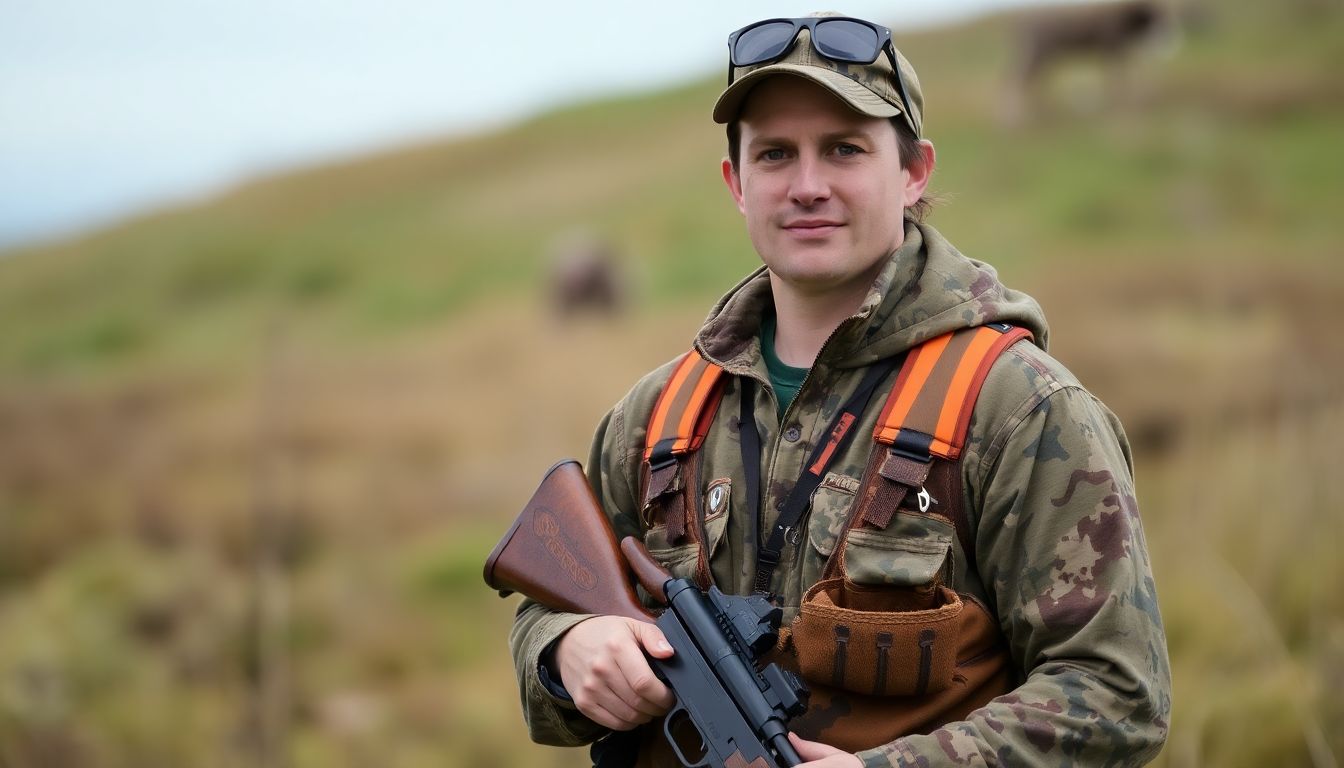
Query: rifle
point(562, 553)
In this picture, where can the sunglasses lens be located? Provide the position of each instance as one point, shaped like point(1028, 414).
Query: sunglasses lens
point(845, 40)
point(762, 43)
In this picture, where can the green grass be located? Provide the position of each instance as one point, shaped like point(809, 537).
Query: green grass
point(408, 240)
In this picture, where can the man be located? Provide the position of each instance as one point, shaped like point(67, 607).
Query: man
point(1036, 529)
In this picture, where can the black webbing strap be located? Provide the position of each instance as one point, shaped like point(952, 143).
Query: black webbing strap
point(750, 438)
point(838, 436)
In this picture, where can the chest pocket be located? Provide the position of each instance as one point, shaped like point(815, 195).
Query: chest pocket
point(832, 502)
point(914, 552)
point(682, 559)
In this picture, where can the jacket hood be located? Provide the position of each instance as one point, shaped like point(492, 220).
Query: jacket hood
point(926, 289)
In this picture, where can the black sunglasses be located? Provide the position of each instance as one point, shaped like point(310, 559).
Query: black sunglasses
point(838, 38)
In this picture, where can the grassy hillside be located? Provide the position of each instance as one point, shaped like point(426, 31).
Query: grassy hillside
point(1216, 152)
point(256, 449)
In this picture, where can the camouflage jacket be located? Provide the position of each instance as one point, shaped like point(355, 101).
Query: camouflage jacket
point(1059, 554)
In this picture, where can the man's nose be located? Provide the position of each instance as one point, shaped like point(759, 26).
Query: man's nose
point(810, 184)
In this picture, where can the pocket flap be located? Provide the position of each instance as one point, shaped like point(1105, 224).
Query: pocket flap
point(876, 558)
point(680, 559)
point(831, 504)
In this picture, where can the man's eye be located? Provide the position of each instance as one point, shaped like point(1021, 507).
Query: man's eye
point(846, 150)
point(772, 155)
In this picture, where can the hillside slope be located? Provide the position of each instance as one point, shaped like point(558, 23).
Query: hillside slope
point(1213, 153)
point(256, 449)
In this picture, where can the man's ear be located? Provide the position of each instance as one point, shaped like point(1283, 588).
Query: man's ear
point(734, 182)
point(920, 172)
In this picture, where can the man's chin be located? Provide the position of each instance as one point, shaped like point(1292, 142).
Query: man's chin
point(811, 282)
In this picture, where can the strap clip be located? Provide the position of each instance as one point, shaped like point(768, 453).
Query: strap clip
point(661, 457)
point(924, 499)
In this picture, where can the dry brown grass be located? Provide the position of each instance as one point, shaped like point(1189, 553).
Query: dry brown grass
point(387, 472)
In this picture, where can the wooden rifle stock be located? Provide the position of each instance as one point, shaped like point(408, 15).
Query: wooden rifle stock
point(652, 576)
point(562, 553)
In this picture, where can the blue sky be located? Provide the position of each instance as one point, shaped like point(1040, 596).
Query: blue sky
point(107, 109)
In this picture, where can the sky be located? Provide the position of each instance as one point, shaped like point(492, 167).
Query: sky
point(109, 109)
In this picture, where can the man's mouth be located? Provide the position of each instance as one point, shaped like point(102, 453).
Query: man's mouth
point(807, 228)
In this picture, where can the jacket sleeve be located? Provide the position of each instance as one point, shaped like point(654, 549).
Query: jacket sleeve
point(1061, 552)
point(554, 720)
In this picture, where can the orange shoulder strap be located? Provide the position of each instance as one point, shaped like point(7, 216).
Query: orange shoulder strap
point(684, 410)
point(929, 408)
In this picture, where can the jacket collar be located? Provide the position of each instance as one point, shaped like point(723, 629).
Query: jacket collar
point(926, 289)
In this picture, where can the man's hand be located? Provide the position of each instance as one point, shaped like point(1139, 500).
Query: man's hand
point(602, 665)
point(820, 755)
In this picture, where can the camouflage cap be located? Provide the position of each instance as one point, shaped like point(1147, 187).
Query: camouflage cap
point(867, 88)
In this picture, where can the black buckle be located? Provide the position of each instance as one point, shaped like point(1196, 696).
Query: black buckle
point(661, 457)
point(913, 445)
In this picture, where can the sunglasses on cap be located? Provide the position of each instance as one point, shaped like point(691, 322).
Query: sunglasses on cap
point(838, 38)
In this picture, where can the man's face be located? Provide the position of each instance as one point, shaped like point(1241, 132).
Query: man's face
point(821, 187)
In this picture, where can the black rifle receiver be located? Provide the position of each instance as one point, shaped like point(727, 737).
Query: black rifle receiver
point(727, 713)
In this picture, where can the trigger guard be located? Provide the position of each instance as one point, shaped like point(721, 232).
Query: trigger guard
point(667, 734)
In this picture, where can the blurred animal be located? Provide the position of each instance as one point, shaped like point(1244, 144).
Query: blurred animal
point(1107, 33)
point(584, 276)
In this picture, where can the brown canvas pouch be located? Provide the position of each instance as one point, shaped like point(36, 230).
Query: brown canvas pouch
point(878, 641)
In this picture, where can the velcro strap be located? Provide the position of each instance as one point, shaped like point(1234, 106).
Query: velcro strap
point(936, 389)
point(674, 512)
point(905, 471)
point(685, 408)
point(881, 503)
point(660, 482)
point(906, 475)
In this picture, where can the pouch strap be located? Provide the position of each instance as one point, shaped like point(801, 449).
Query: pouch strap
point(684, 410)
point(921, 431)
point(929, 409)
point(928, 413)
point(677, 428)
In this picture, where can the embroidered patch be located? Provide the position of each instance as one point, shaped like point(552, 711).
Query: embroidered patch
point(716, 498)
